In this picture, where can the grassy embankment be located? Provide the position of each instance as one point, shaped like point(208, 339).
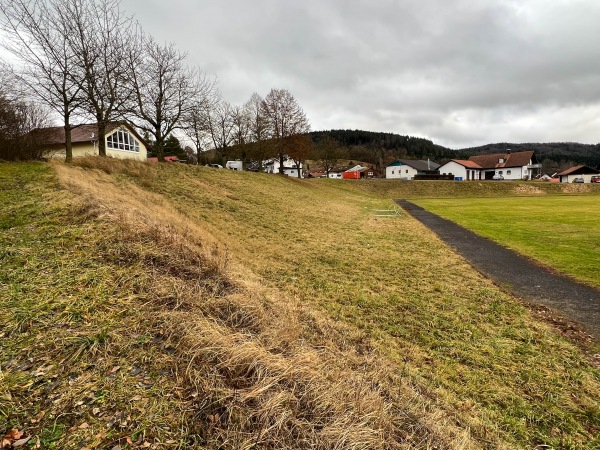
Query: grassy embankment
point(174, 306)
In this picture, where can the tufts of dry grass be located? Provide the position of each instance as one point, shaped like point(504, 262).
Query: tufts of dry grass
point(123, 331)
point(170, 306)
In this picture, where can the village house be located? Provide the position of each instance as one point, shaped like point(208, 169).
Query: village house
point(122, 141)
point(407, 169)
point(358, 172)
point(289, 167)
point(496, 166)
point(583, 174)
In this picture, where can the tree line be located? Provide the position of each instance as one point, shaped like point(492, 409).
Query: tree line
point(88, 60)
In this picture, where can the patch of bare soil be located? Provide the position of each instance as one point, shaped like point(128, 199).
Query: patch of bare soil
point(528, 190)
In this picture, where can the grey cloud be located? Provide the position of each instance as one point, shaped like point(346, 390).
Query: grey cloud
point(461, 73)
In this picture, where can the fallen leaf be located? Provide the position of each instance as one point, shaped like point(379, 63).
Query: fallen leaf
point(83, 426)
point(114, 369)
point(21, 442)
point(9, 438)
point(39, 416)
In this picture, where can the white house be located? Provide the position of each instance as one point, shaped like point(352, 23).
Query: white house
point(506, 166)
point(289, 167)
point(583, 172)
point(122, 141)
point(406, 169)
point(461, 169)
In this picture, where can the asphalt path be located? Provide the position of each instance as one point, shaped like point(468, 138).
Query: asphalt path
point(515, 273)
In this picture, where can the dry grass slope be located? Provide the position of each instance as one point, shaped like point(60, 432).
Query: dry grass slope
point(171, 306)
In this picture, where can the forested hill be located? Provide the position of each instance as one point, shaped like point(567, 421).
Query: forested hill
point(370, 146)
point(378, 148)
point(555, 155)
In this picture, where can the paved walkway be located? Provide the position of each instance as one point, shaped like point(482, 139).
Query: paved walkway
point(516, 273)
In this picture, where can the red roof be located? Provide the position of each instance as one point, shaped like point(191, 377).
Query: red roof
point(492, 161)
point(467, 164)
point(579, 170)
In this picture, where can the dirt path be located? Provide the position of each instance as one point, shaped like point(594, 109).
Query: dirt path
point(516, 273)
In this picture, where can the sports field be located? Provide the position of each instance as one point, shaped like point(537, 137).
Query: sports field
point(560, 231)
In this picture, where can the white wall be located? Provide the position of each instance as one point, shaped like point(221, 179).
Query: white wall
point(455, 169)
point(516, 173)
point(234, 165)
point(402, 172)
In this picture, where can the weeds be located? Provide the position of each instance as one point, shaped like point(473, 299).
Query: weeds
point(174, 307)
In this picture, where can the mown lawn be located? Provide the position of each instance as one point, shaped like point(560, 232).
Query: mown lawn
point(559, 231)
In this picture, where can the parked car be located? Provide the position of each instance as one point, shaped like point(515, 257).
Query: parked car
point(595, 180)
point(215, 166)
point(578, 180)
point(497, 177)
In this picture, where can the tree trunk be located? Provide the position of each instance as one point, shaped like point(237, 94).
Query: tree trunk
point(68, 142)
point(101, 138)
point(159, 147)
point(281, 172)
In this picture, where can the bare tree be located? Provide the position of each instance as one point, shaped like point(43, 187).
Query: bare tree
point(101, 38)
point(258, 129)
point(299, 148)
point(285, 118)
point(164, 90)
point(328, 153)
point(196, 120)
point(220, 126)
point(18, 118)
point(39, 40)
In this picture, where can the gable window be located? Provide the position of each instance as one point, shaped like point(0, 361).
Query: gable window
point(122, 140)
point(406, 170)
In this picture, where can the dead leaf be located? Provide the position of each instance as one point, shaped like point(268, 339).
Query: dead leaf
point(83, 426)
point(21, 442)
point(9, 438)
point(114, 369)
point(39, 416)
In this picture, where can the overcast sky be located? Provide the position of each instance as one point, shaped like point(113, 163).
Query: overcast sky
point(459, 72)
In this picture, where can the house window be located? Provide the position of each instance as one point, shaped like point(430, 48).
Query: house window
point(501, 161)
point(406, 170)
point(392, 172)
point(508, 172)
point(499, 172)
point(122, 140)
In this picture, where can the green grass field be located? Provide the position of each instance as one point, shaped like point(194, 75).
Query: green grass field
point(559, 231)
point(170, 306)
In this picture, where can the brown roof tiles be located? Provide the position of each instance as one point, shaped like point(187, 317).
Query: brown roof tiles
point(516, 159)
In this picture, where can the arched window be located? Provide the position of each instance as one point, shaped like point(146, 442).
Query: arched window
point(508, 172)
point(122, 140)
